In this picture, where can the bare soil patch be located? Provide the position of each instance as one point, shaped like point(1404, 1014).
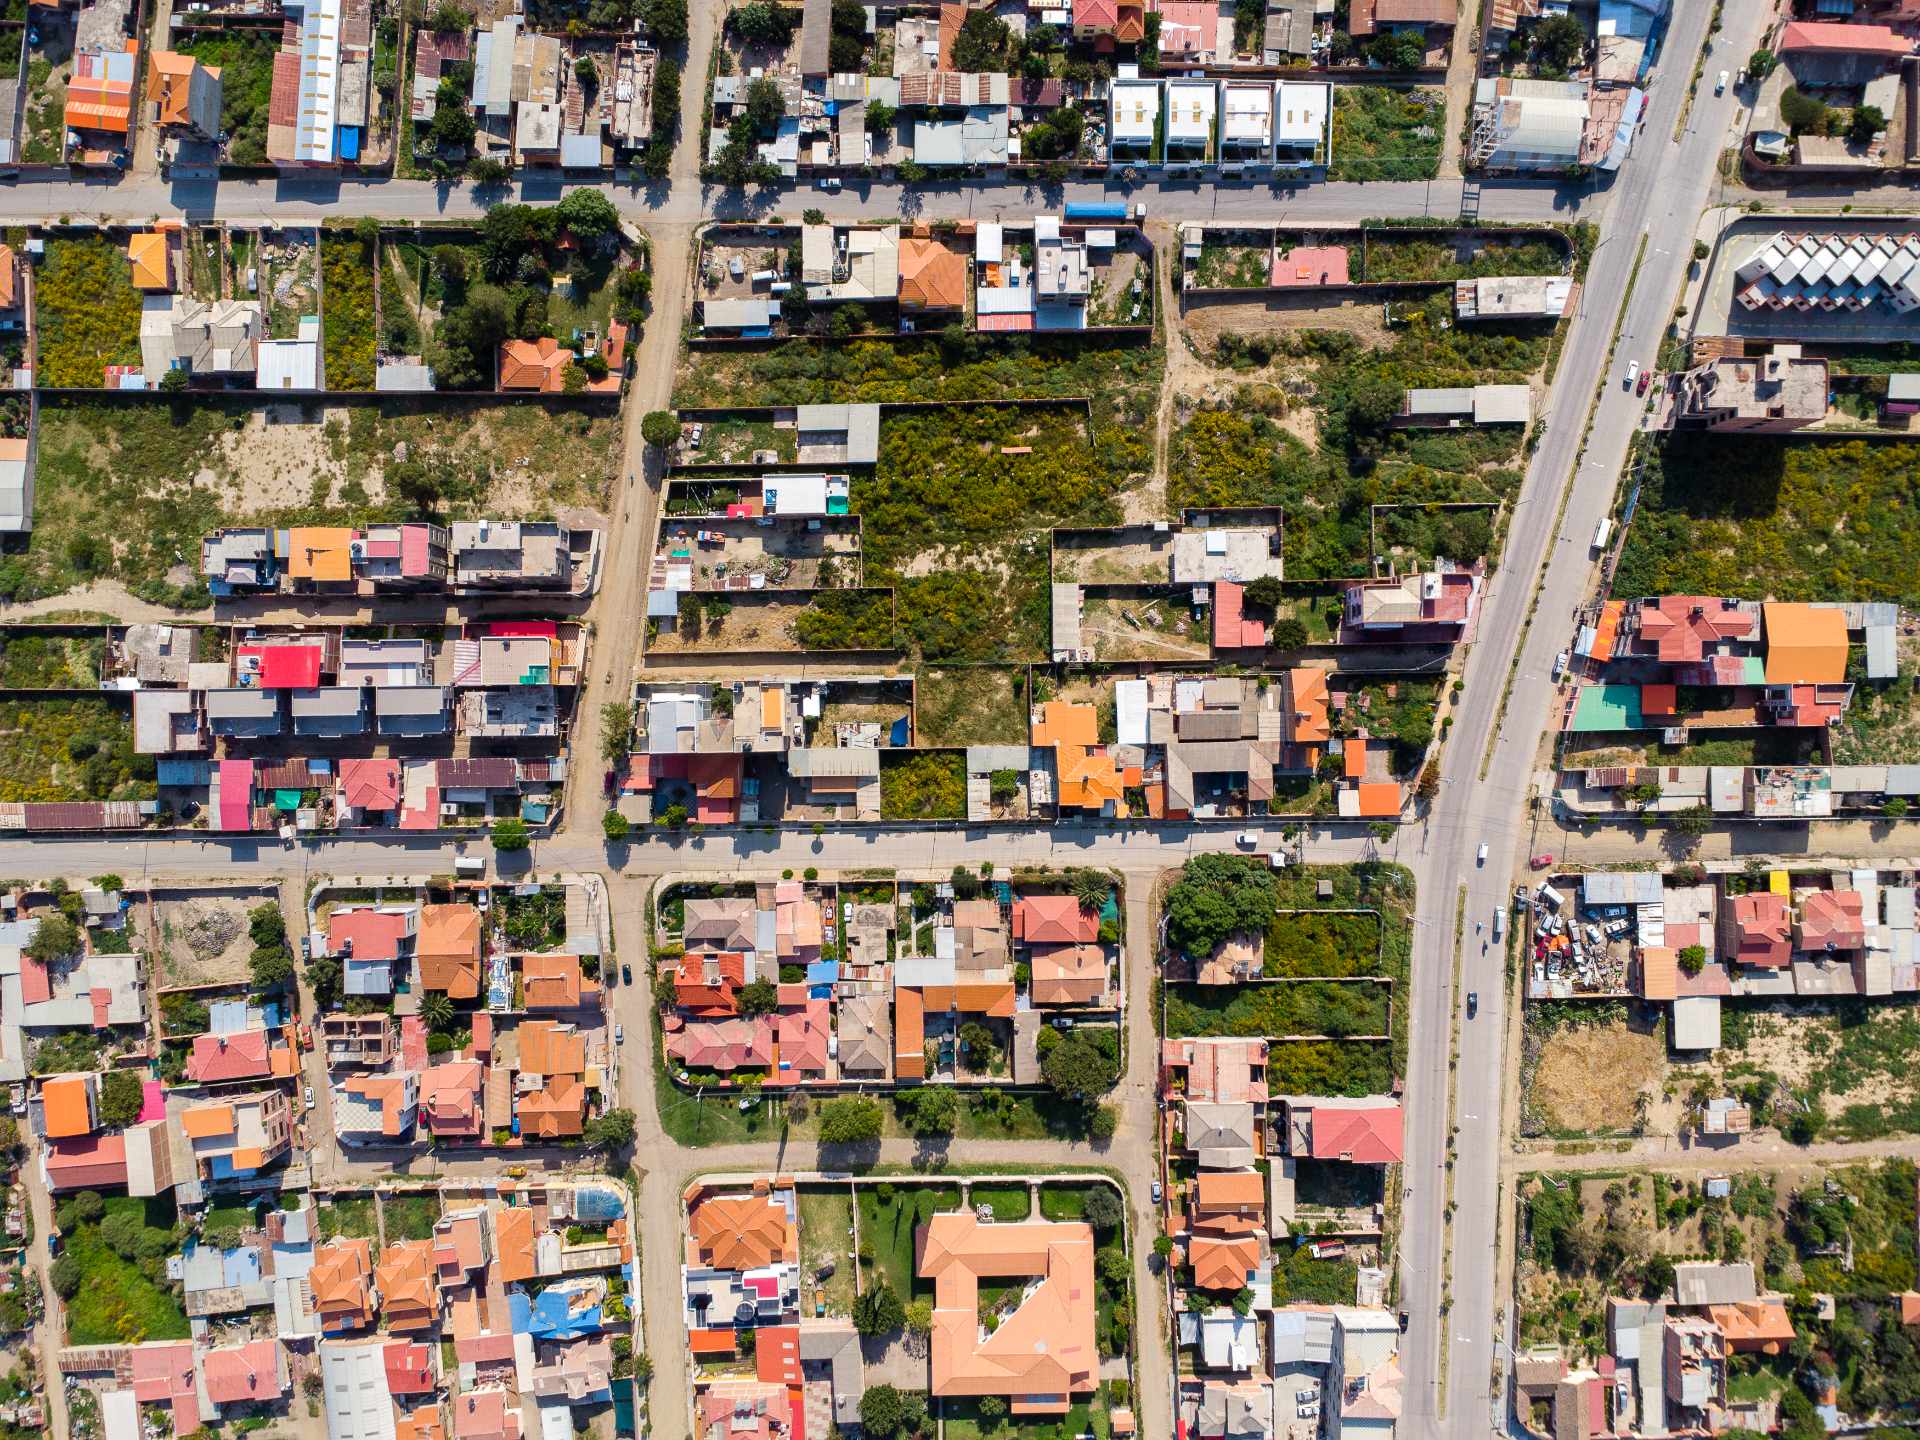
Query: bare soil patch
point(1591, 1077)
point(203, 940)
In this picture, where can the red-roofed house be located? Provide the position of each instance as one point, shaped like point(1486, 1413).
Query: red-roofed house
point(1053, 920)
point(485, 1414)
point(1829, 37)
point(372, 786)
point(723, 1045)
point(281, 667)
point(92, 1162)
point(776, 1356)
point(243, 1055)
point(1754, 930)
point(748, 1410)
point(1223, 1264)
point(374, 932)
point(801, 1034)
point(1361, 1132)
point(1314, 265)
point(450, 1099)
point(164, 1375)
point(715, 780)
point(1831, 920)
point(708, 985)
point(1683, 629)
point(410, 1368)
point(1232, 630)
point(250, 1374)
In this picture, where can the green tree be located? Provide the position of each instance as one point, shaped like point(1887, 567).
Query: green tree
point(660, 428)
point(614, 826)
point(1105, 1121)
point(453, 125)
point(587, 214)
point(510, 835)
point(271, 966)
point(174, 381)
point(763, 23)
point(616, 730)
point(1103, 1209)
point(880, 116)
point(878, 1312)
point(1693, 958)
point(1560, 42)
point(1895, 808)
point(612, 1131)
point(1217, 896)
point(1867, 122)
point(1078, 1069)
point(1288, 634)
point(666, 20)
point(1695, 820)
point(436, 1008)
point(67, 1275)
point(323, 975)
point(920, 1317)
point(1802, 112)
point(120, 1099)
point(761, 997)
point(1760, 64)
point(54, 939)
point(881, 1409)
point(1091, 888)
point(983, 45)
point(929, 1111)
point(486, 171)
point(765, 106)
point(850, 1120)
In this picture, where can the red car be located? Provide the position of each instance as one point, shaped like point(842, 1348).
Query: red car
point(1540, 862)
point(1641, 388)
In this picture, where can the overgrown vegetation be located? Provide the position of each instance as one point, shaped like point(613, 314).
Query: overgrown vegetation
point(1743, 515)
point(244, 59)
point(71, 750)
point(1385, 134)
point(112, 1270)
point(86, 311)
point(923, 785)
point(846, 620)
point(346, 311)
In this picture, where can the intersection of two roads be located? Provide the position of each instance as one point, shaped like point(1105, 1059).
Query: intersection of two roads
point(1457, 1091)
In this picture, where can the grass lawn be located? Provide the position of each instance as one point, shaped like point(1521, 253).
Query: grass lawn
point(410, 1217)
point(1063, 1202)
point(962, 1421)
point(1385, 134)
point(245, 61)
point(1009, 1202)
point(1822, 520)
point(887, 1226)
point(1011, 1116)
point(87, 311)
point(226, 1217)
point(346, 312)
point(352, 1218)
point(71, 750)
point(826, 1233)
point(713, 1119)
point(972, 706)
point(116, 1302)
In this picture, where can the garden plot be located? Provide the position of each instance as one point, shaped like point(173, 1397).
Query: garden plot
point(43, 132)
point(289, 261)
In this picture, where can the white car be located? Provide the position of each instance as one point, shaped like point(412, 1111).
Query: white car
point(1633, 373)
point(307, 1090)
point(1248, 839)
point(1560, 664)
point(827, 183)
point(1720, 85)
point(1481, 858)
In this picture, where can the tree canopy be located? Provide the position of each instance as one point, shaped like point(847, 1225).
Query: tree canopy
point(1217, 896)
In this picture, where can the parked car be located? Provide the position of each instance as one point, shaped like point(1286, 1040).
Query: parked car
point(827, 182)
point(1155, 1192)
point(1542, 860)
point(1560, 664)
point(1481, 857)
point(1720, 85)
point(1248, 839)
point(1633, 373)
point(619, 1034)
point(1646, 378)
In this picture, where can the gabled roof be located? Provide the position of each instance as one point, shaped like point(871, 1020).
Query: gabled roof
point(242, 1055)
point(1759, 931)
point(1806, 644)
point(450, 1097)
point(1362, 1134)
point(553, 982)
point(1834, 37)
point(410, 1369)
point(558, 1110)
point(513, 1231)
point(448, 948)
point(370, 784)
point(534, 365)
point(550, 1048)
point(932, 277)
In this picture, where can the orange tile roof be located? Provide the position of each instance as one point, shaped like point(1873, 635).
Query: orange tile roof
point(449, 949)
point(170, 83)
point(1806, 644)
point(513, 1244)
point(1229, 1190)
point(341, 1282)
point(558, 1110)
point(422, 1424)
point(450, 1097)
point(1223, 1264)
point(1755, 1324)
point(320, 552)
point(1659, 972)
point(1068, 974)
point(909, 1034)
point(743, 1232)
point(207, 1122)
point(534, 365)
point(1353, 758)
point(993, 998)
point(1307, 695)
point(932, 277)
point(548, 1048)
point(9, 278)
point(1043, 1352)
point(1380, 800)
point(1064, 723)
point(148, 251)
point(66, 1106)
point(409, 1294)
point(553, 982)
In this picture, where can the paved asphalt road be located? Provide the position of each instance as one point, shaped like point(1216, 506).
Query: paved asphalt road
point(1659, 192)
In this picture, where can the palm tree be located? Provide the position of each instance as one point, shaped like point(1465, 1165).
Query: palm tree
point(437, 1011)
point(1091, 888)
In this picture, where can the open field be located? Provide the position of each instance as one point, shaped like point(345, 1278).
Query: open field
point(126, 492)
point(1732, 515)
point(974, 705)
point(1386, 134)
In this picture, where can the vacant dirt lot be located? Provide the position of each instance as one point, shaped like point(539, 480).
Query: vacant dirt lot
point(1591, 1077)
point(203, 939)
point(1287, 315)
